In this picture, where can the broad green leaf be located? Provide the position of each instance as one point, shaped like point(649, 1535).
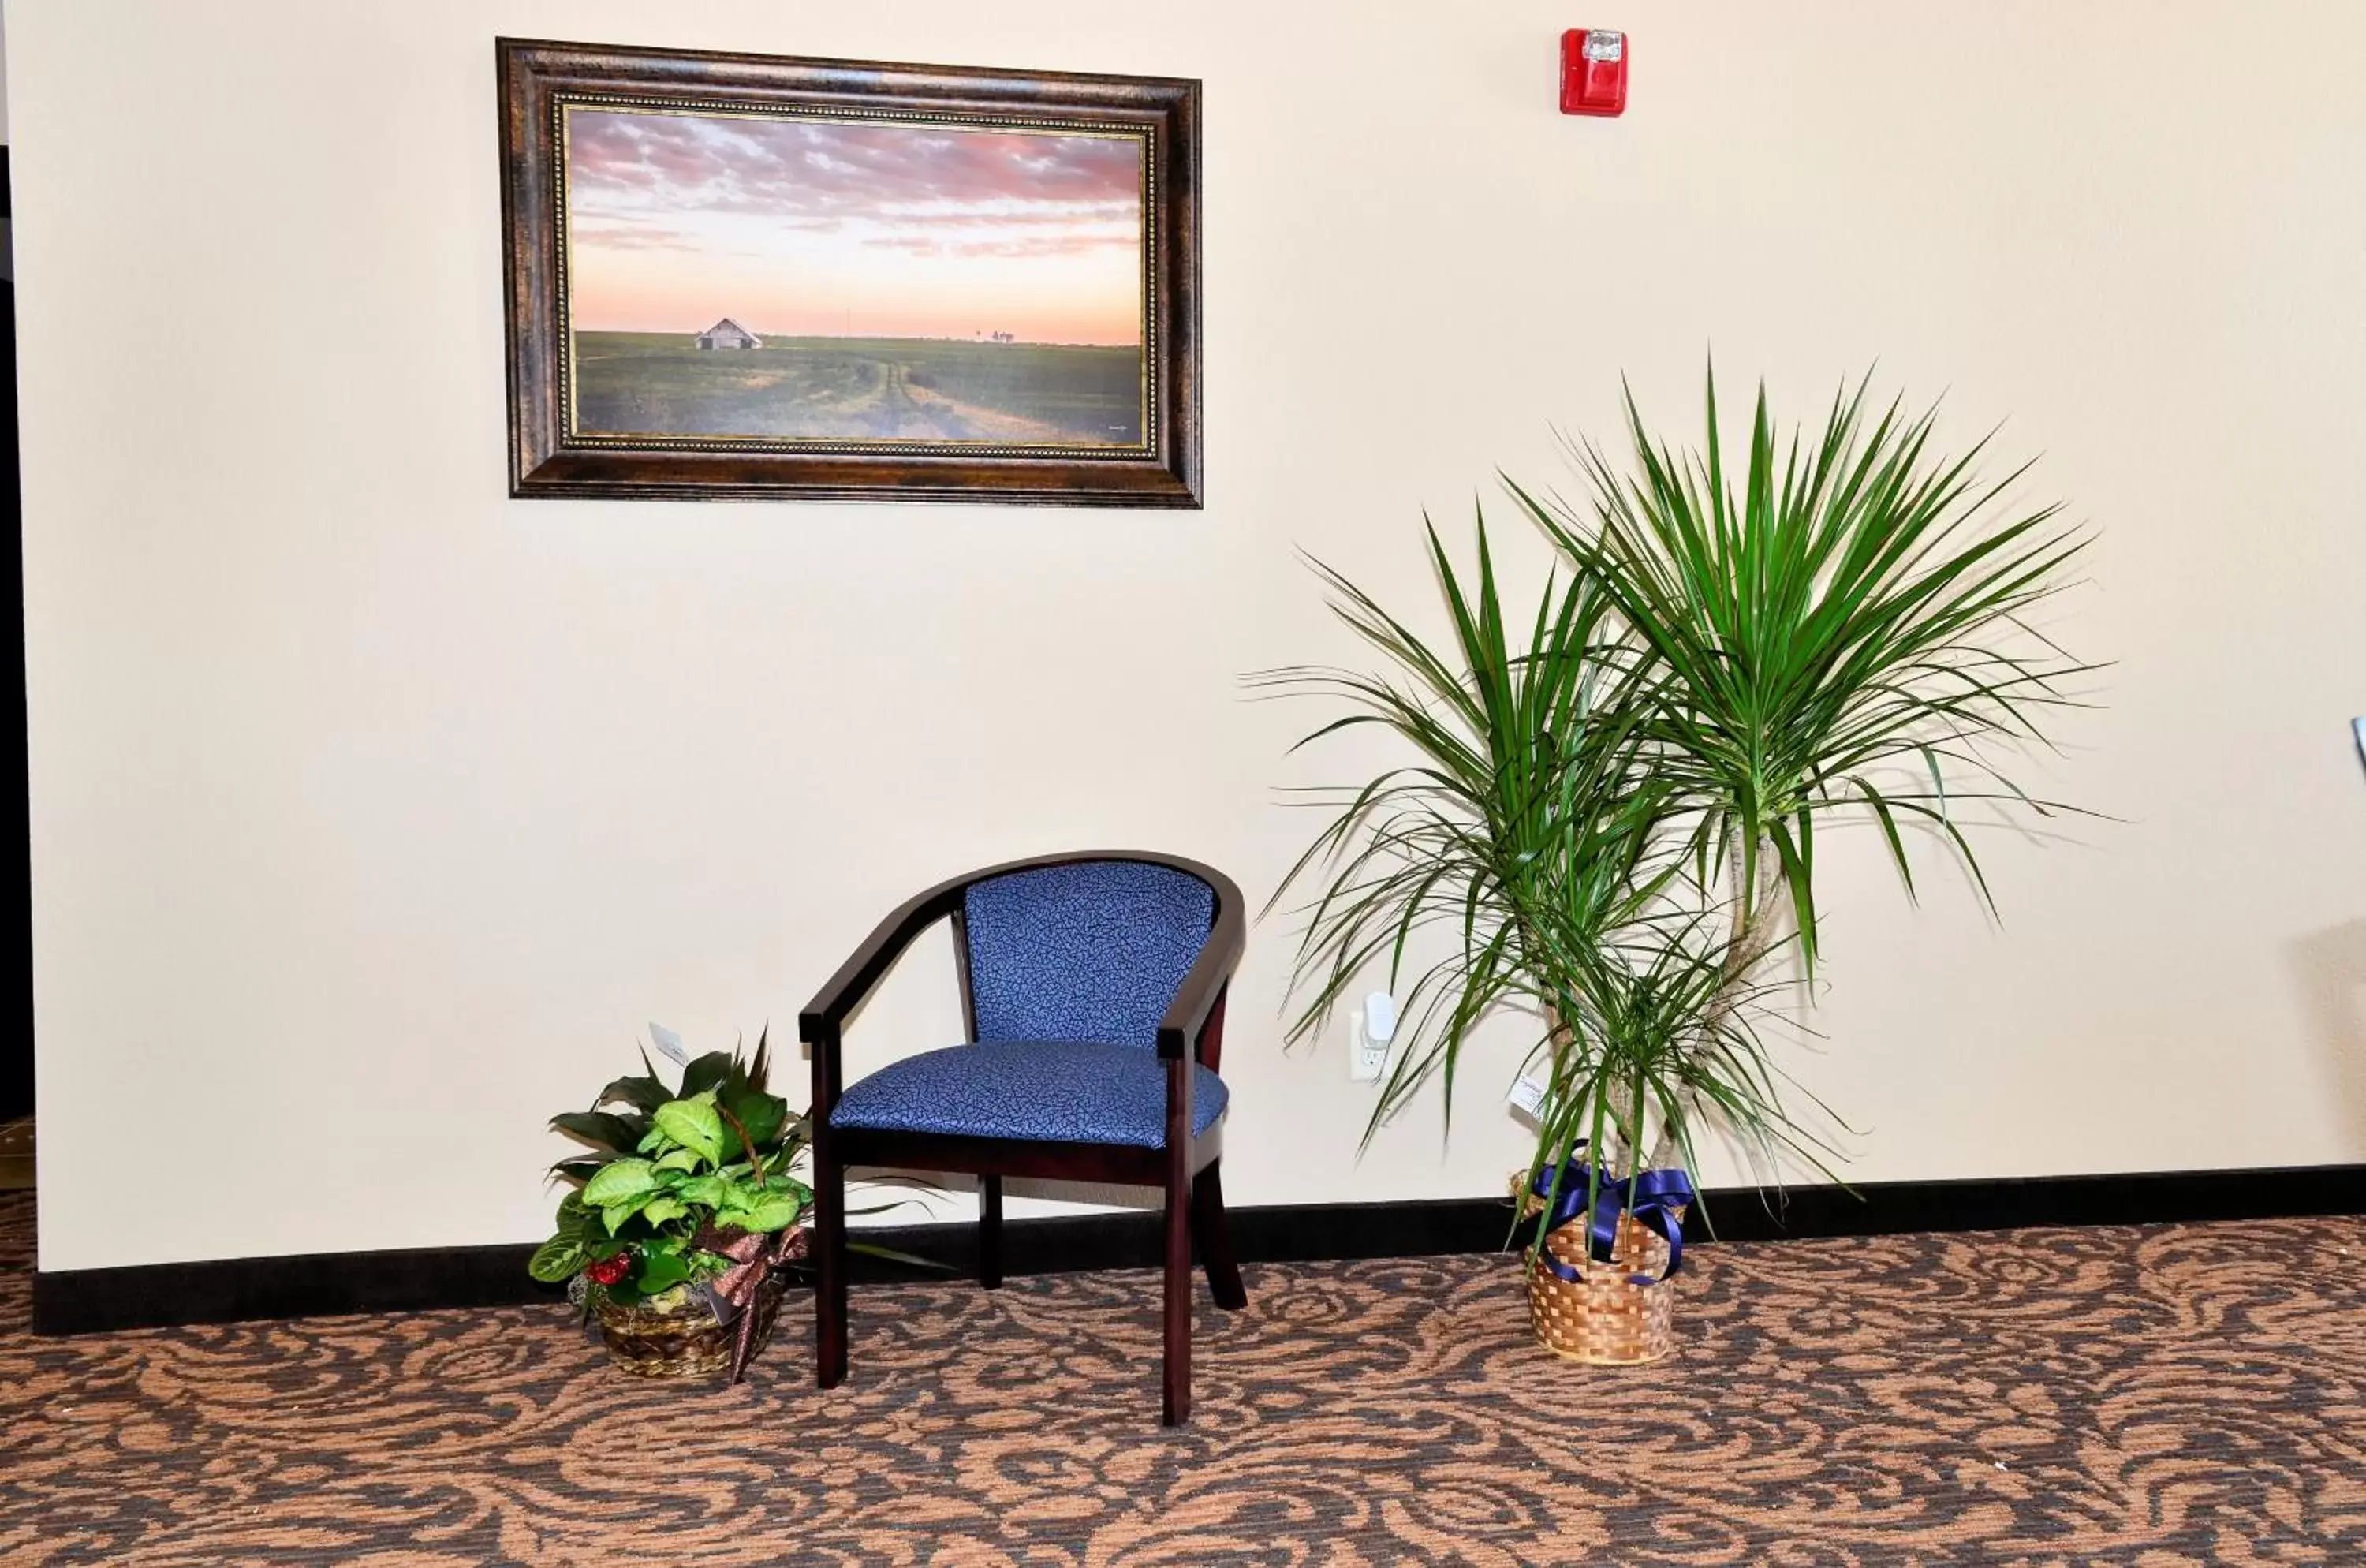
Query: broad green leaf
point(763, 1114)
point(772, 1214)
point(705, 1073)
point(602, 1129)
point(657, 1210)
point(620, 1181)
point(557, 1260)
point(571, 1221)
point(659, 1272)
point(579, 1171)
point(679, 1159)
point(642, 1091)
point(694, 1124)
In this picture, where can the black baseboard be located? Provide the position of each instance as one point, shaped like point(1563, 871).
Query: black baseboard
point(85, 1300)
point(230, 1289)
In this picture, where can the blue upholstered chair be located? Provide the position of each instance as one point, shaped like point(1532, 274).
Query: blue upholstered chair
point(1093, 987)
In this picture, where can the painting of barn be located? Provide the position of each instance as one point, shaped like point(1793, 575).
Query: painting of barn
point(950, 285)
point(728, 333)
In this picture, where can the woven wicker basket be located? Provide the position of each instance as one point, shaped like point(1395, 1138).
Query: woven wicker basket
point(1609, 1319)
point(685, 1342)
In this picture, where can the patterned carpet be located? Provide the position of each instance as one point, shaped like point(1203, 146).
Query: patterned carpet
point(2150, 1397)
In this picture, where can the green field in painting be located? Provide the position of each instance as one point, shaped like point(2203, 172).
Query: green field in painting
point(853, 388)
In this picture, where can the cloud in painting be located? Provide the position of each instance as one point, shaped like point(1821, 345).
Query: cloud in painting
point(619, 162)
point(797, 225)
point(1016, 245)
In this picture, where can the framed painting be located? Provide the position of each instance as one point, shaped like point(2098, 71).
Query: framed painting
point(736, 277)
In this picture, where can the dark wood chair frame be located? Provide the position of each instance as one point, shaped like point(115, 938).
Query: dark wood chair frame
point(1188, 1168)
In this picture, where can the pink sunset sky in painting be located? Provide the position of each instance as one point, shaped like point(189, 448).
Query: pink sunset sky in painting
point(824, 228)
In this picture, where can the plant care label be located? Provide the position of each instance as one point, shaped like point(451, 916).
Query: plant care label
point(1528, 1096)
point(669, 1045)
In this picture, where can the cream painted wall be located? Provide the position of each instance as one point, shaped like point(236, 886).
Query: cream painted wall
point(373, 813)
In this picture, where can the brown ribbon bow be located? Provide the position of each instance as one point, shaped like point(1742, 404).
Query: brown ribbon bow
point(754, 1255)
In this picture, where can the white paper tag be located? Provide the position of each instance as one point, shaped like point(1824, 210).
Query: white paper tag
point(1528, 1096)
point(669, 1045)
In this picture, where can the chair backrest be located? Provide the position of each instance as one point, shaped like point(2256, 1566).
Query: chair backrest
point(1084, 950)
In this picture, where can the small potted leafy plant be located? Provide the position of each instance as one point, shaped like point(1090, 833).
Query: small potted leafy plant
point(680, 1214)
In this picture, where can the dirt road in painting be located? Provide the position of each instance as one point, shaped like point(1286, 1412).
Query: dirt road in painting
point(844, 389)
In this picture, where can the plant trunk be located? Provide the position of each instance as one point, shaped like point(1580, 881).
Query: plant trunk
point(1755, 922)
point(1753, 929)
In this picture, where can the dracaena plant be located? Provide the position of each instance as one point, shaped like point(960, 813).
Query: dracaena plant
point(669, 1169)
point(1839, 628)
point(1531, 860)
point(1607, 810)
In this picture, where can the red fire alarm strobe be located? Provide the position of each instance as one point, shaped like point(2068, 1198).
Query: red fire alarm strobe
point(1593, 70)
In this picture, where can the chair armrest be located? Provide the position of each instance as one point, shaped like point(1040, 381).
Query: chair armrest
point(1203, 984)
point(826, 1015)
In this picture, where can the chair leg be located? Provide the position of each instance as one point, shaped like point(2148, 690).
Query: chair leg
point(1178, 1382)
point(829, 1251)
point(1214, 1230)
point(990, 1231)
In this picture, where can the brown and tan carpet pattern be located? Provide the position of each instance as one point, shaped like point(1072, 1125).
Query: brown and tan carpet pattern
point(2153, 1396)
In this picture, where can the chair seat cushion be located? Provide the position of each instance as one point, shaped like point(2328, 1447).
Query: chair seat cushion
point(1057, 1090)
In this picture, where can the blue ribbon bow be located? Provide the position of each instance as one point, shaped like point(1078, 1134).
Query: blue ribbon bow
point(1655, 1198)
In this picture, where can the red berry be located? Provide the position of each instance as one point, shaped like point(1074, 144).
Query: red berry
point(608, 1270)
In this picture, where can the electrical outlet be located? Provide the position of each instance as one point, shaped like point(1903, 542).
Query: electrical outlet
point(1371, 1034)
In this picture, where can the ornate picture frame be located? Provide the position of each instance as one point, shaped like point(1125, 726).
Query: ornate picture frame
point(924, 283)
